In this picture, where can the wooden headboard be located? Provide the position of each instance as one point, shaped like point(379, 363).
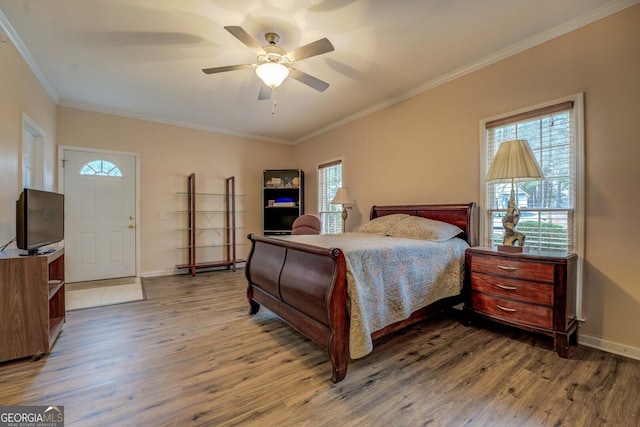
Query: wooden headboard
point(464, 216)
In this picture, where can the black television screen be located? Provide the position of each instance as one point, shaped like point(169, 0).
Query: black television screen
point(39, 219)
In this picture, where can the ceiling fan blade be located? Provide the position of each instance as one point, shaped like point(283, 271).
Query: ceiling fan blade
point(265, 92)
point(311, 81)
point(227, 68)
point(245, 38)
point(317, 47)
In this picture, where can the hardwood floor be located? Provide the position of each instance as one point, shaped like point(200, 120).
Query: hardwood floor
point(191, 355)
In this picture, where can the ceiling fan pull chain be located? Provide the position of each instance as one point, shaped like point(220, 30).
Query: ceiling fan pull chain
point(275, 102)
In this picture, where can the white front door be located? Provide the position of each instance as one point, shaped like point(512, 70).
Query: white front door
point(100, 208)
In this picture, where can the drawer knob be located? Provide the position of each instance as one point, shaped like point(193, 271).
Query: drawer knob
point(504, 267)
point(510, 310)
point(507, 288)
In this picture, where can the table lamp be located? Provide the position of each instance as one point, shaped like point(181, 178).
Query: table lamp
point(514, 160)
point(343, 198)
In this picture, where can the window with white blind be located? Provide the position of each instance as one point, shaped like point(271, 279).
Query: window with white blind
point(329, 180)
point(551, 207)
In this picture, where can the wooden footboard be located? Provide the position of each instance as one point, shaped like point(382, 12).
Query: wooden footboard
point(306, 286)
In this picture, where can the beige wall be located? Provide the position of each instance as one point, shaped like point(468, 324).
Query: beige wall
point(168, 154)
point(426, 149)
point(21, 93)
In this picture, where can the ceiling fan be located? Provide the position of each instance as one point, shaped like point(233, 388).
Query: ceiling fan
point(274, 64)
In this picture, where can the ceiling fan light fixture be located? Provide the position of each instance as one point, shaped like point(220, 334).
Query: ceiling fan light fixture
point(272, 74)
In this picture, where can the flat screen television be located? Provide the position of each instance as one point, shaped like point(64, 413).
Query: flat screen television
point(39, 219)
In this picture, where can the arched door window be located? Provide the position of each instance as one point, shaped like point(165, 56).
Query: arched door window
point(100, 167)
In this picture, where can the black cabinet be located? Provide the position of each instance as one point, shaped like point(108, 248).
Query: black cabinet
point(283, 199)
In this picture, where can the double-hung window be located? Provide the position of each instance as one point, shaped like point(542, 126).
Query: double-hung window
point(551, 208)
point(329, 180)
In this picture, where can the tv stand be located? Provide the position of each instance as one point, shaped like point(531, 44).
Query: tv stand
point(34, 252)
point(32, 303)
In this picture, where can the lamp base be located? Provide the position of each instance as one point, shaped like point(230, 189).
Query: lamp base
point(513, 249)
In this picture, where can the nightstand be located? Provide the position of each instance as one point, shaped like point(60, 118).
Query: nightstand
point(533, 290)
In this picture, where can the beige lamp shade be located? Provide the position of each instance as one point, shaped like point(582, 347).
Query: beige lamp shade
point(342, 197)
point(514, 159)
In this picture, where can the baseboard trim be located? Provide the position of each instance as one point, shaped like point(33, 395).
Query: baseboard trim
point(158, 273)
point(609, 346)
point(175, 272)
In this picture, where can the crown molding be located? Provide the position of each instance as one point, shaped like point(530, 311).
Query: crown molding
point(138, 116)
point(572, 25)
point(14, 38)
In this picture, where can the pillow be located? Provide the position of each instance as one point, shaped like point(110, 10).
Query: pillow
point(415, 227)
point(381, 224)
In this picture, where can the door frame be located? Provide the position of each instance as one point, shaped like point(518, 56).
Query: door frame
point(30, 127)
point(62, 148)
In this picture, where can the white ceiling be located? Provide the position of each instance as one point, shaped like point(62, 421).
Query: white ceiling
point(143, 58)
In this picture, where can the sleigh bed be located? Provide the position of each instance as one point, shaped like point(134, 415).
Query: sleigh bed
point(311, 281)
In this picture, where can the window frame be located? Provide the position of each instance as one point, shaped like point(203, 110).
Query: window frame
point(334, 210)
point(578, 207)
point(101, 172)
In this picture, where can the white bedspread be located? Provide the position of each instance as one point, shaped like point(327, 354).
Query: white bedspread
point(388, 278)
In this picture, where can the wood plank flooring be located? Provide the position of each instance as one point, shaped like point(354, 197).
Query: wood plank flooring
point(191, 355)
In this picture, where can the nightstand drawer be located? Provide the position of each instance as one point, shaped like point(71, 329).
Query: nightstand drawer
point(513, 268)
point(513, 311)
point(522, 290)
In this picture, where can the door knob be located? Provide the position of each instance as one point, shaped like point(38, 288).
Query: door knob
point(131, 226)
